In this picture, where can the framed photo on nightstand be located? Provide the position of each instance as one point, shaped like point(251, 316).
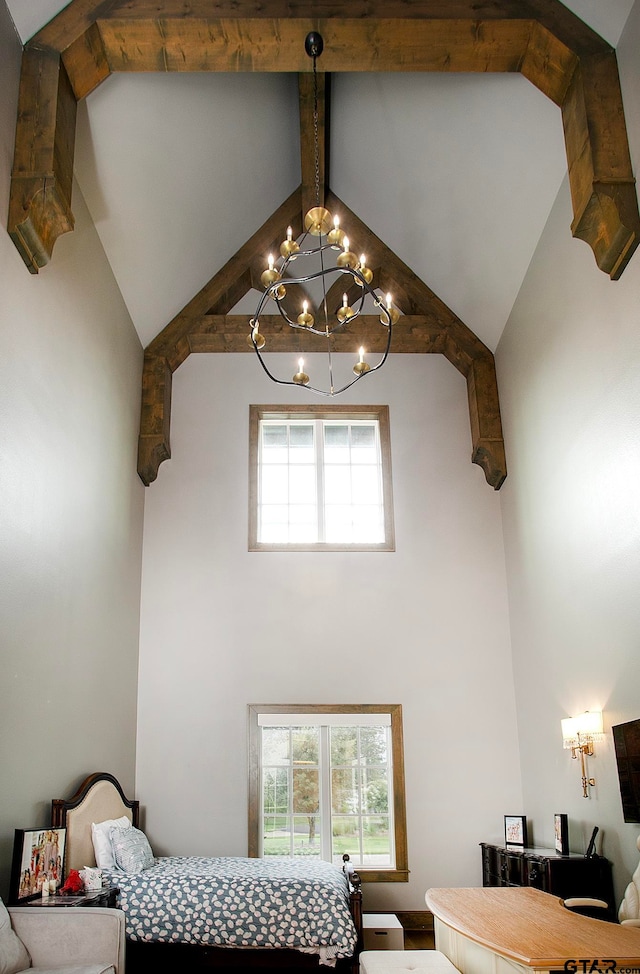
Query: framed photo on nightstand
point(515, 830)
point(561, 830)
point(38, 863)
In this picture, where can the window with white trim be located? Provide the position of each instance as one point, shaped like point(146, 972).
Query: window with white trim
point(325, 781)
point(320, 479)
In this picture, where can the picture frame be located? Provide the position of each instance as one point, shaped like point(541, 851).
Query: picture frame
point(561, 832)
point(515, 830)
point(38, 859)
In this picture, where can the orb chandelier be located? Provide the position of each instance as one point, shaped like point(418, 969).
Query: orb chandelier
point(322, 253)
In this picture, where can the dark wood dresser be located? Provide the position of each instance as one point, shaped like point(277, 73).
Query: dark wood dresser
point(544, 869)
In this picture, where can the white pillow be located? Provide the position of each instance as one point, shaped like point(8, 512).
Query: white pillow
point(13, 953)
point(100, 834)
point(131, 850)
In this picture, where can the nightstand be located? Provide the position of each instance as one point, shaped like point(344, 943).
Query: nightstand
point(107, 896)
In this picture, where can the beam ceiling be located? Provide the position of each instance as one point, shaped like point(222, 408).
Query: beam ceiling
point(541, 39)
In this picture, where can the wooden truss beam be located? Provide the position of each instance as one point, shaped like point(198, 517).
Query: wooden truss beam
point(542, 39)
point(427, 325)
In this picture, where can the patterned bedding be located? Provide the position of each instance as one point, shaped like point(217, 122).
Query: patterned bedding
point(234, 902)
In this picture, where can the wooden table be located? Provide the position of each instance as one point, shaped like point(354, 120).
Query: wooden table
point(497, 930)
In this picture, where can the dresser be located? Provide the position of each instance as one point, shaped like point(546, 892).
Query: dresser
point(565, 876)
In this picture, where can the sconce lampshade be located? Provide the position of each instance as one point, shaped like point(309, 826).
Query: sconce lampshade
point(585, 727)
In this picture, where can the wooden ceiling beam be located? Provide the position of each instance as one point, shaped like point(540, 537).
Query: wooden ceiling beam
point(545, 41)
point(430, 327)
point(312, 135)
point(541, 38)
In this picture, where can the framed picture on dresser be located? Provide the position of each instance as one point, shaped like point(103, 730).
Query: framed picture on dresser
point(561, 831)
point(515, 830)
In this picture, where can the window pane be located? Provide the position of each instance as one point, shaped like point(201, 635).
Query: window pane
point(345, 837)
point(336, 444)
point(275, 745)
point(344, 745)
point(338, 526)
point(363, 437)
point(374, 745)
point(306, 836)
point(375, 792)
point(273, 436)
point(336, 436)
point(275, 789)
point(277, 838)
point(376, 840)
point(302, 485)
point(306, 791)
point(366, 485)
point(305, 745)
point(275, 485)
point(302, 534)
point(274, 524)
point(301, 436)
point(368, 527)
point(337, 485)
point(345, 790)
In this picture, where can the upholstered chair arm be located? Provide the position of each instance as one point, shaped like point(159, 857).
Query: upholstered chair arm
point(58, 936)
point(575, 902)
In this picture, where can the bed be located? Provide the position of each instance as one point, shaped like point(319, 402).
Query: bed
point(223, 913)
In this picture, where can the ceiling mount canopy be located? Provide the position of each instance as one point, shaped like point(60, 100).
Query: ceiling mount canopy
point(306, 270)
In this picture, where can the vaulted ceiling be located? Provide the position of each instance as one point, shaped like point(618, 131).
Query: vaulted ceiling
point(189, 175)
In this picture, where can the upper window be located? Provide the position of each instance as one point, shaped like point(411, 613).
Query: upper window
point(325, 781)
point(320, 478)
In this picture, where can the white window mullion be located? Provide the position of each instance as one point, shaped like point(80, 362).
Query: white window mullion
point(325, 794)
point(319, 443)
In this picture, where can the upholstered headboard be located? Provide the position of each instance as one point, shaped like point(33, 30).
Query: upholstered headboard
point(99, 797)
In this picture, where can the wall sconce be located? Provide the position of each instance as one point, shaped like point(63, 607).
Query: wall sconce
point(578, 735)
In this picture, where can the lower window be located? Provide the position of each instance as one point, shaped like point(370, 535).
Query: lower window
point(325, 781)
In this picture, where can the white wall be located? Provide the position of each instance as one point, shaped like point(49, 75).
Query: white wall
point(569, 378)
point(425, 626)
point(70, 512)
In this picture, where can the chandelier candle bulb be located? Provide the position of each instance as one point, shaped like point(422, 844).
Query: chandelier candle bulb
point(346, 258)
point(393, 313)
point(336, 236)
point(305, 319)
point(345, 312)
point(289, 247)
point(361, 367)
point(301, 378)
point(366, 272)
point(270, 275)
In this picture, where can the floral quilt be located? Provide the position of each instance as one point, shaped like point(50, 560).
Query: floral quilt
point(234, 902)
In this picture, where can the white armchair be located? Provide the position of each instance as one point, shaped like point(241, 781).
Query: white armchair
point(42, 940)
point(629, 912)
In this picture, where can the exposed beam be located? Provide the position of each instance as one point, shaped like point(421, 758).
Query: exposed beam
point(428, 326)
point(544, 40)
point(40, 201)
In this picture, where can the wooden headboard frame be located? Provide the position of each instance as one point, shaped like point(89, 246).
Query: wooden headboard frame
point(99, 797)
